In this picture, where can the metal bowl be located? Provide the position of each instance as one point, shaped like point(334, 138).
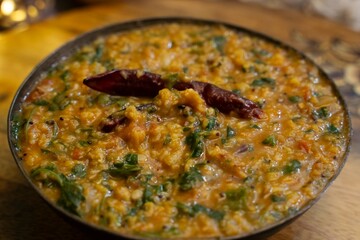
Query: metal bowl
point(71, 47)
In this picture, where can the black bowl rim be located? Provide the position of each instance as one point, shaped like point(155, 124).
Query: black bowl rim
point(70, 47)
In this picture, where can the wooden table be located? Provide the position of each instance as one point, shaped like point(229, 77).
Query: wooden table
point(23, 215)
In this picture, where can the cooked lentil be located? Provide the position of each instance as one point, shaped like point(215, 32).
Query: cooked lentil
point(182, 168)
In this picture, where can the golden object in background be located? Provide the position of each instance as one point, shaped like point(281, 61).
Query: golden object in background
point(20, 12)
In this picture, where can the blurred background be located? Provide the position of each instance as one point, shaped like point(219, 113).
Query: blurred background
point(16, 13)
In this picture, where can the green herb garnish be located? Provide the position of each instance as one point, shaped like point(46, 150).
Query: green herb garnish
point(85, 143)
point(230, 132)
point(128, 167)
point(292, 166)
point(219, 43)
point(104, 100)
point(255, 126)
point(321, 113)
point(99, 51)
point(190, 179)
point(65, 75)
point(172, 79)
point(294, 99)
point(78, 171)
point(260, 82)
point(236, 198)
point(59, 102)
point(167, 139)
point(276, 198)
point(193, 209)
point(332, 129)
point(196, 142)
point(270, 141)
point(211, 124)
point(71, 194)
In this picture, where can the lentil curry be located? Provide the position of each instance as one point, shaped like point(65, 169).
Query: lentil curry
point(178, 167)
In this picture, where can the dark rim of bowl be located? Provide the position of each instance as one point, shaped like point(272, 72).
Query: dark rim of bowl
point(72, 46)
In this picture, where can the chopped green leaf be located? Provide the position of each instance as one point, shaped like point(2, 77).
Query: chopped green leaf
point(321, 113)
point(131, 158)
point(128, 167)
point(276, 198)
point(99, 51)
point(193, 209)
point(230, 132)
point(85, 143)
point(217, 215)
point(263, 82)
point(270, 141)
point(172, 79)
point(59, 102)
point(148, 107)
point(190, 179)
point(219, 43)
point(71, 194)
point(103, 100)
point(41, 102)
point(261, 103)
point(186, 129)
point(28, 123)
point(186, 209)
point(65, 75)
point(235, 195)
point(82, 56)
point(122, 103)
point(198, 43)
point(250, 69)
point(150, 191)
point(255, 126)
point(122, 170)
point(236, 198)
point(309, 130)
point(292, 166)
point(316, 94)
point(196, 143)
point(211, 124)
point(47, 173)
point(71, 197)
point(167, 139)
point(78, 171)
point(109, 65)
point(185, 111)
point(16, 124)
point(296, 118)
point(332, 129)
point(294, 99)
point(261, 52)
point(236, 91)
point(45, 151)
point(292, 211)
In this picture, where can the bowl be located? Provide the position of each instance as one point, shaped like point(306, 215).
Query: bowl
point(68, 50)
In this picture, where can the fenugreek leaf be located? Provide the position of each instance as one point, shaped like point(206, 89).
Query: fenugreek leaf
point(190, 179)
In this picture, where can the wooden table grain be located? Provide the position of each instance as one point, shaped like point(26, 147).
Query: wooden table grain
point(23, 215)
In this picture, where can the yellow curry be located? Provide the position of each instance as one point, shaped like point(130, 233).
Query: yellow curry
point(178, 167)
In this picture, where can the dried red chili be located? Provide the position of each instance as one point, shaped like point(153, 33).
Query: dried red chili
point(137, 83)
point(127, 82)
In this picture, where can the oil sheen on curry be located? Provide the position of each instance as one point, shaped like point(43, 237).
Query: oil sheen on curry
point(182, 131)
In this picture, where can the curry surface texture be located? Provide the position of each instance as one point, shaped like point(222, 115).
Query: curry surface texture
point(177, 167)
